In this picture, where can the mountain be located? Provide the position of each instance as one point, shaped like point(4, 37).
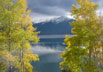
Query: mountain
point(51, 46)
point(56, 26)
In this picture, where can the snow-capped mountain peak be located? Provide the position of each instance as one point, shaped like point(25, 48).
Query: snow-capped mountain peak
point(60, 19)
point(55, 19)
point(58, 25)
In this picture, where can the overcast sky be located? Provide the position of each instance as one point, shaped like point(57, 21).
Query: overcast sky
point(47, 9)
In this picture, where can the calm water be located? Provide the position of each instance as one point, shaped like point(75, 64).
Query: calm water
point(48, 54)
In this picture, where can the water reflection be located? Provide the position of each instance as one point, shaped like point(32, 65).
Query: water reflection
point(48, 53)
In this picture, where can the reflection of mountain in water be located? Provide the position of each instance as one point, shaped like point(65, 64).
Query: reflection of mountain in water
point(48, 63)
point(50, 44)
point(49, 59)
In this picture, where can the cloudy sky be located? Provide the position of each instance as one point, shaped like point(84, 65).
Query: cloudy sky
point(47, 9)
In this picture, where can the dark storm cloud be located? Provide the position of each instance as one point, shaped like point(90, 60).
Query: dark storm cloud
point(51, 7)
point(50, 10)
point(66, 4)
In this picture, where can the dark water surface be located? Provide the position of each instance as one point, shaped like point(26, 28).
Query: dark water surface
point(48, 54)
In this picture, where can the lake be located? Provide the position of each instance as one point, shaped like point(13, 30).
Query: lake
point(48, 50)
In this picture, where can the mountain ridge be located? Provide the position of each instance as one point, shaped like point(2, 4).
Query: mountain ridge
point(60, 25)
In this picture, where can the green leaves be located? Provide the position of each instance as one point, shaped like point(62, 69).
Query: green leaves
point(16, 32)
point(83, 49)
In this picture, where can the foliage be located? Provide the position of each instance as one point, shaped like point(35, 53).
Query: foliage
point(16, 32)
point(84, 49)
